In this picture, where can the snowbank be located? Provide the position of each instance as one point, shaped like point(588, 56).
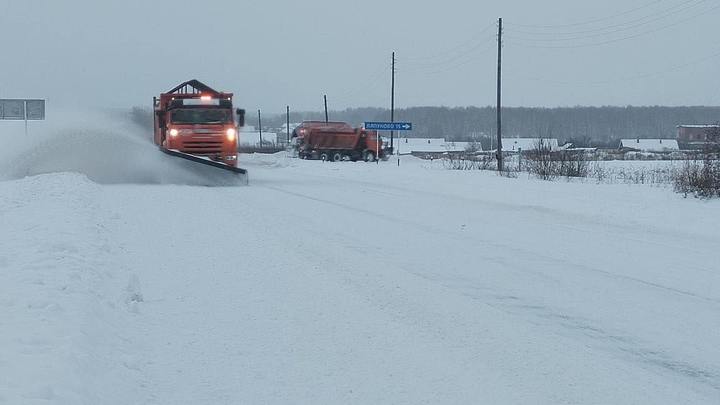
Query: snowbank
point(353, 283)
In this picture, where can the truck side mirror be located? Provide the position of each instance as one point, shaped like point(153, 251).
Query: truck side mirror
point(241, 117)
point(160, 119)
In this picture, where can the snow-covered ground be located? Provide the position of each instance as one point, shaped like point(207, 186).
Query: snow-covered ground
point(125, 279)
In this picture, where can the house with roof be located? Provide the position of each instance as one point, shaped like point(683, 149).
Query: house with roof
point(649, 145)
point(250, 136)
point(428, 146)
point(288, 128)
point(696, 136)
point(518, 145)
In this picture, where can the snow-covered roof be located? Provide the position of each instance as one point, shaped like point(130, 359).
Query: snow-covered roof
point(293, 125)
point(650, 145)
point(527, 144)
point(582, 149)
point(455, 146)
point(252, 137)
point(428, 145)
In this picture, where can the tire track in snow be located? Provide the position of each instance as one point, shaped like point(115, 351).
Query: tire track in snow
point(506, 247)
point(636, 349)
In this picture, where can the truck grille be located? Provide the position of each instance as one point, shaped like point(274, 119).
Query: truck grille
point(202, 147)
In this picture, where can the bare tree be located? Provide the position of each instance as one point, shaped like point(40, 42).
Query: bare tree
point(540, 161)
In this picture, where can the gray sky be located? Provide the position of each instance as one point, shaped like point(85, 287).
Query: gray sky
point(277, 52)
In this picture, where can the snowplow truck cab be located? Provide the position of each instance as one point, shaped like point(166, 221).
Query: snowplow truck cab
point(336, 141)
point(195, 119)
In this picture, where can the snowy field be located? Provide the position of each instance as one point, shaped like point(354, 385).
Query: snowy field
point(127, 277)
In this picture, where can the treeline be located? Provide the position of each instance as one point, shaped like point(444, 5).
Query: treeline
point(584, 126)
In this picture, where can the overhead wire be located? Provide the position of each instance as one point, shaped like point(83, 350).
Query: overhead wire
point(366, 85)
point(624, 26)
point(472, 49)
point(547, 44)
point(459, 48)
point(671, 69)
point(587, 22)
point(462, 59)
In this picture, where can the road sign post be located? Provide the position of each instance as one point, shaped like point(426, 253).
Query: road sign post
point(377, 149)
point(387, 126)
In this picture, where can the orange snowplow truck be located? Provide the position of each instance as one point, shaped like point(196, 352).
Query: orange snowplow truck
point(196, 122)
point(336, 141)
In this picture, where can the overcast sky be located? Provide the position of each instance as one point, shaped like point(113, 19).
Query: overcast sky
point(272, 53)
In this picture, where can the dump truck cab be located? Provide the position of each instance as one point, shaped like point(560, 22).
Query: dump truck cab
point(195, 119)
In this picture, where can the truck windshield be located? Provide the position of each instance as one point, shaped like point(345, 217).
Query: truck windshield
point(201, 116)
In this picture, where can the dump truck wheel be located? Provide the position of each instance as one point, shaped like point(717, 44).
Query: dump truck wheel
point(324, 157)
point(337, 156)
point(369, 156)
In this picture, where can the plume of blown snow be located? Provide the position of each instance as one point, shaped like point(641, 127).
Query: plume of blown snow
point(107, 148)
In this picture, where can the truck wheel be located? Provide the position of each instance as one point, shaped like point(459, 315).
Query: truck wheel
point(324, 156)
point(369, 156)
point(337, 156)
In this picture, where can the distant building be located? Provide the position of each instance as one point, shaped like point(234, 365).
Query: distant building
point(694, 136)
point(429, 146)
point(528, 144)
point(284, 128)
point(249, 136)
point(649, 145)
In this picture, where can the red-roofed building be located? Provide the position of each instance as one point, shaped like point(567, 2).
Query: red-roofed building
point(696, 136)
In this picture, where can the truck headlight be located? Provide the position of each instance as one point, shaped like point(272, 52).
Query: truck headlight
point(174, 132)
point(231, 134)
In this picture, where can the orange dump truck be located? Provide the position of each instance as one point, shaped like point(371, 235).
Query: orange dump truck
point(196, 122)
point(336, 141)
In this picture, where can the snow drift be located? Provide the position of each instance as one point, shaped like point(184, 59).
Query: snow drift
point(108, 150)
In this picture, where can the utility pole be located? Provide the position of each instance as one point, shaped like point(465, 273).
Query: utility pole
point(25, 108)
point(392, 101)
point(287, 116)
point(499, 88)
point(260, 127)
point(326, 113)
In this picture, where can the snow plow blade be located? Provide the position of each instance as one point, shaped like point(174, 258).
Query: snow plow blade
point(240, 172)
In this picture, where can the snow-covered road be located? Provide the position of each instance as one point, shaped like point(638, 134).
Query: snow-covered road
point(356, 283)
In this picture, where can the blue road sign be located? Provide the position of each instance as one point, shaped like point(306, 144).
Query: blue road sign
point(389, 126)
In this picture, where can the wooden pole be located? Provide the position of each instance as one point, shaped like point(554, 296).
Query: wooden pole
point(326, 112)
point(287, 116)
point(260, 127)
point(499, 92)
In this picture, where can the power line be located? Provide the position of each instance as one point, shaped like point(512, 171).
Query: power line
point(471, 42)
point(624, 26)
point(610, 41)
point(608, 32)
point(638, 76)
point(650, 4)
point(452, 65)
point(461, 59)
point(369, 84)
